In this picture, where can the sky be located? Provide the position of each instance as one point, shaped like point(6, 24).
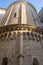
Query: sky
point(38, 4)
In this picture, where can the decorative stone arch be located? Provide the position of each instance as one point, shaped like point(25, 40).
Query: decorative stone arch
point(35, 61)
point(5, 61)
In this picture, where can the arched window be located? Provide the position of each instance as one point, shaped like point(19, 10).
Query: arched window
point(35, 61)
point(5, 61)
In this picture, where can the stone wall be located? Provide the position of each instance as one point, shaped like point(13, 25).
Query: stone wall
point(32, 47)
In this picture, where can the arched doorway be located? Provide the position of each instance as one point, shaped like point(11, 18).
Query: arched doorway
point(5, 61)
point(35, 61)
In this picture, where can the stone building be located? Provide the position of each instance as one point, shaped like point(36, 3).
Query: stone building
point(21, 35)
point(40, 15)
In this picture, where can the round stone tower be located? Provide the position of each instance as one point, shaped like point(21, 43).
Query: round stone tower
point(21, 37)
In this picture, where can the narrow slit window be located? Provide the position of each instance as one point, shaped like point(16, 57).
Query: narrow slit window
point(14, 15)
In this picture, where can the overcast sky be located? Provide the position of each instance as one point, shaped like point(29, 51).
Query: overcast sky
point(38, 4)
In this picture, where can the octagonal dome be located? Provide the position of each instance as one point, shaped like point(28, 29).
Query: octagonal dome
point(21, 13)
